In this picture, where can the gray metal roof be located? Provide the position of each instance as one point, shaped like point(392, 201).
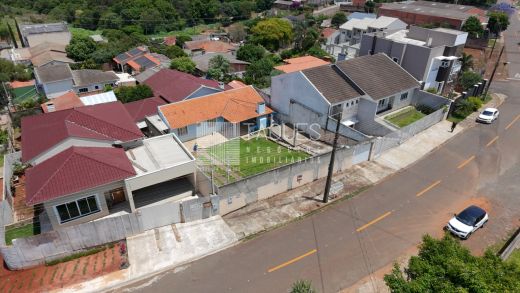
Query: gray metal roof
point(40, 28)
point(53, 73)
point(85, 77)
point(377, 75)
point(426, 8)
point(333, 85)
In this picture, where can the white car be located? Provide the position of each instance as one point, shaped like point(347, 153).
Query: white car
point(488, 115)
point(467, 222)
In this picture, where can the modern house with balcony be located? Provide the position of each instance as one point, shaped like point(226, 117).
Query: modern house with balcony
point(346, 43)
point(430, 55)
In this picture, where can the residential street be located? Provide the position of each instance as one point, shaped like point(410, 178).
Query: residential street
point(352, 239)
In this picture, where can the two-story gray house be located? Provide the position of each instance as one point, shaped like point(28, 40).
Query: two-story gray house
point(359, 88)
point(430, 55)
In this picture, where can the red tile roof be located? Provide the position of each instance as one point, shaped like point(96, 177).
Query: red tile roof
point(300, 63)
point(74, 170)
point(175, 86)
point(327, 32)
point(236, 84)
point(143, 108)
point(107, 122)
point(16, 84)
point(209, 46)
point(66, 101)
point(170, 40)
point(235, 106)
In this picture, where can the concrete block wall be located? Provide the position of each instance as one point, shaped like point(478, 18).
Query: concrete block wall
point(265, 185)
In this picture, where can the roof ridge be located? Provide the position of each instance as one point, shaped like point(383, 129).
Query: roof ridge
point(84, 127)
point(55, 171)
point(97, 119)
point(96, 160)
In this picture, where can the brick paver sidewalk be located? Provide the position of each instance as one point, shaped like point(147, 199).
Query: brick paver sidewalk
point(46, 278)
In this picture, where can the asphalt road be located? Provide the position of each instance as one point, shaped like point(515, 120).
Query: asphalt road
point(355, 238)
point(512, 39)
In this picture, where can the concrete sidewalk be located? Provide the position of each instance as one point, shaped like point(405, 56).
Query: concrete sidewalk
point(164, 248)
point(285, 207)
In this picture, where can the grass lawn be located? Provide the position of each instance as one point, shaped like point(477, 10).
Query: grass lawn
point(256, 155)
point(405, 117)
point(81, 32)
point(515, 257)
point(21, 232)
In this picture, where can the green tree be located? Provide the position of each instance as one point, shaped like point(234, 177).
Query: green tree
point(88, 19)
point(262, 5)
point(237, 32)
point(10, 71)
point(184, 64)
point(444, 265)
point(13, 39)
point(473, 27)
point(497, 22)
point(338, 19)
point(272, 33)
point(305, 36)
point(219, 68)
point(302, 286)
point(370, 6)
point(250, 53)
point(80, 48)
point(259, 72)
point(317, 51)
point(181, 39)
point(4, 32)
point(466, 62)
point(127, 94)
point(469, 79)
point(110, 20)
point(149, 20)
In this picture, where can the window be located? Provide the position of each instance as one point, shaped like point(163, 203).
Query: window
point(77, 209)
point(404, 96)
point(182, 131)
point(336, 109)
point(357, 102)
point(83, 90)
point(396, 60)
point(96, 87)
point(381, 103)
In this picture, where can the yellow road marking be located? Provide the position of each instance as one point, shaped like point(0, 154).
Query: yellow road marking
point(492, 141)
point(466, 162)
point(513, 122)
point(292, 261)
point(428, 188)
point(373, 222)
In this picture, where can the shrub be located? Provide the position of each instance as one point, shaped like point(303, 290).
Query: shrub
point(475, 102)
point(431, 90)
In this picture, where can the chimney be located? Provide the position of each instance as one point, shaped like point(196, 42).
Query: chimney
point(221, 85)
point(260, 107)
point(50, 107)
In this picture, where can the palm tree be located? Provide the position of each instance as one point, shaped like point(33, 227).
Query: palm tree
point(466, 62)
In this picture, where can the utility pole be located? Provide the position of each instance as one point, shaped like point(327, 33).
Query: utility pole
point(494, 70)
point(331, 163)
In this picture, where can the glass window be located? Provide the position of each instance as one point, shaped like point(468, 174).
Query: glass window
point(182, 131)
point(77, 209)
point(73, 209)
point(404, 96)
point(83, 206)
point(83, 90)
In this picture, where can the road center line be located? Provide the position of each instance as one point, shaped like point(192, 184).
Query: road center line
point(373, 222)
point(513, 122)
point(492, 141)
point(428, 188)
point(466, 162)
point(292, 261)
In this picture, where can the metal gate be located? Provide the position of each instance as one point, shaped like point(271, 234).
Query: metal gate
point(361, 153)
